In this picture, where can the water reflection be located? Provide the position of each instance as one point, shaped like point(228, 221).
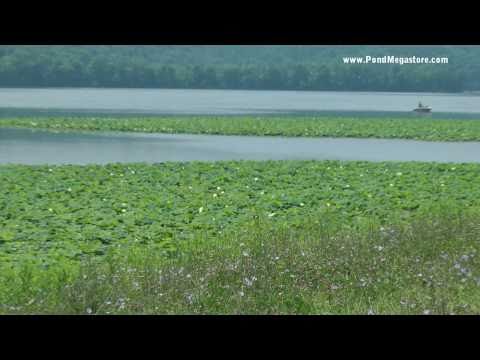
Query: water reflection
point(43, 147)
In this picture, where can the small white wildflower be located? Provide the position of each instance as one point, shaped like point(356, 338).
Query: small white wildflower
point(244, 253)
point(241, 293)
point(124, 211)
point(302, 204)
point(399, 174)
point(271, 215)
point(249, 282)
point(370, 312)
point(391, 185)
point(218, 188)
point(256, 179)
point(89, 310)
point(215, 195)
point(200, 210)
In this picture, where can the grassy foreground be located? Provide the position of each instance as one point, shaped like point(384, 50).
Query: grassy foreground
point(428, 266)
point(389, 128)
point(240, 237)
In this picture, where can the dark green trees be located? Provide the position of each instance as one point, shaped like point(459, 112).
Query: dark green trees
point(237, 67)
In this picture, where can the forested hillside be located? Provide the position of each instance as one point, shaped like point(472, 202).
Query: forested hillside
point(238, 67)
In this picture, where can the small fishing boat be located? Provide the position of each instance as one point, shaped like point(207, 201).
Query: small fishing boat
point(422, 108)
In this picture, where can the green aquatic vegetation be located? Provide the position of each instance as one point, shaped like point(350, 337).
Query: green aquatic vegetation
point(428, 265)
point(53, 214)
point(428, 129)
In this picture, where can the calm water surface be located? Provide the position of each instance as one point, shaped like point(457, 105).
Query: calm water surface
point(41, 147)
point(23, 146)
point(57, 101)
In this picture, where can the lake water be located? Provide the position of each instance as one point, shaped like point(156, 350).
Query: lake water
point(40, 147)
point(56, 101)
point(23, 146)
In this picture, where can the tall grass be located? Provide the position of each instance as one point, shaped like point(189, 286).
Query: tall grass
point(427, 266)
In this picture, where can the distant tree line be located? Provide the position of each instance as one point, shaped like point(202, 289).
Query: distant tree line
point(107, 67)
